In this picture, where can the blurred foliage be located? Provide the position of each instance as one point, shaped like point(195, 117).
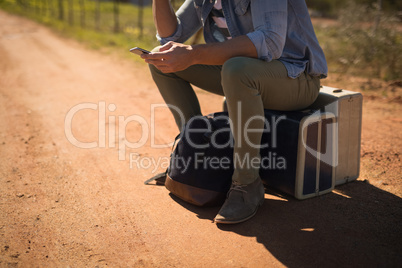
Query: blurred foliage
point(365, 42)
point(331, 8)
point(93, 22)
point(325, 8)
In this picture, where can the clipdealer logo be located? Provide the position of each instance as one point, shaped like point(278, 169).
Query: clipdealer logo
point(148, 134)
point(147, 131)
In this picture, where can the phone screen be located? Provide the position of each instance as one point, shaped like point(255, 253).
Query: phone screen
point(139, 51)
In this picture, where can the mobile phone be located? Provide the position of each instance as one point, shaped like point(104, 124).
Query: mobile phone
point(139, 51)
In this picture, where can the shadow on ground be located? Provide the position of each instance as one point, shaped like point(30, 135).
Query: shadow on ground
point(358, 225)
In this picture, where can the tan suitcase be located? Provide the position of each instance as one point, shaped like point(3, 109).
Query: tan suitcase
point(305, 142)
point(347, 108)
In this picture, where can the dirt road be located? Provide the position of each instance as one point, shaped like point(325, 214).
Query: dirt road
point(68, 206)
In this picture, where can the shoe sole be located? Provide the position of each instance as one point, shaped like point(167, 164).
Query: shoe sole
point(242, 220)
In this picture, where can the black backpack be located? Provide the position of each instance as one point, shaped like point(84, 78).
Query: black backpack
point(201, 163)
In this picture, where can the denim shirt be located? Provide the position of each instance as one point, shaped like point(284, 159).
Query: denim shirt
point(279, 29)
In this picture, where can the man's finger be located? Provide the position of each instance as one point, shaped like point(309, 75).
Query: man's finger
point(163, 68)
point(165, 47)
point(160, 61)
point(154, 56)
point(158, 64)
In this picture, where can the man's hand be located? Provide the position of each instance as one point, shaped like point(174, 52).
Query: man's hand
point(172, 57)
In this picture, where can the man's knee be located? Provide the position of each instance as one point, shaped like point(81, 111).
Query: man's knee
point(235, 67)
point(235, 73)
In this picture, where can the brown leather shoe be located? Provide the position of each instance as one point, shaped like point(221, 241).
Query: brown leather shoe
point(241, 203)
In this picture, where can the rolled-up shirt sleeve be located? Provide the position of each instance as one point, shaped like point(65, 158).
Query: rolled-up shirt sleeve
point(270, 26)
point(174, 37)
point(188, 23)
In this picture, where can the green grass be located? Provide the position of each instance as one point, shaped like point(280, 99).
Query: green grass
point(96, 37)
point(349, 48)
point(363, 42)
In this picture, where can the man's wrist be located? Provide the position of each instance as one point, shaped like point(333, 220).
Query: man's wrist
point(196, 54)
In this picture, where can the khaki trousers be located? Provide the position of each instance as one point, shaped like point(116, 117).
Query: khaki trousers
point(250, 86)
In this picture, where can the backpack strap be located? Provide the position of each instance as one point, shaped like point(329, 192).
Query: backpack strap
point(161, 177)
point(158, 178)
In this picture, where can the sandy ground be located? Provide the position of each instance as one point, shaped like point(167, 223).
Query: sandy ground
point(66, 206)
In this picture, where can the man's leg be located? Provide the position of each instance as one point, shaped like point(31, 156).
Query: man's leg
point(177, 91)
point(250, 85)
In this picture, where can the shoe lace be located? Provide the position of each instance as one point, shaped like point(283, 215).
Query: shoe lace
point(237, 187)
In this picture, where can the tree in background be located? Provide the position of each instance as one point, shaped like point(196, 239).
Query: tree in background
point(97, 15)
point(140, 17)
point(116, 12)
point(70, 12)
point(82, 13)
point(371, 41)
point(331, 8)
point(51, 8)
point(61, 10)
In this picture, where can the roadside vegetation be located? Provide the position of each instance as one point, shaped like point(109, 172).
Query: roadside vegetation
point(365, 41)
point(360, 37)
point(105, 25)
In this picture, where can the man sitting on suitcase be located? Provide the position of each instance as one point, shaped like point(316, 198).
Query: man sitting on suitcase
point(258, 54)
